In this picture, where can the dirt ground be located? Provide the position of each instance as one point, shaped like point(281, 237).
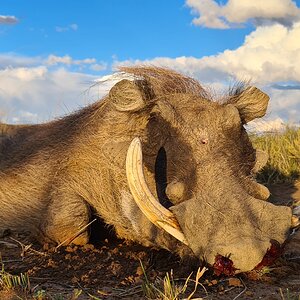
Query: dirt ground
point(111, 268)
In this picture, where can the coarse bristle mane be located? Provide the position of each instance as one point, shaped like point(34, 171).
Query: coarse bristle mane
point(165, 81)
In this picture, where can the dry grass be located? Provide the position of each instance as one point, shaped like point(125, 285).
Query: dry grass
point(288, 295)
point(17, 287)
point(284, 155)
point(168, 288)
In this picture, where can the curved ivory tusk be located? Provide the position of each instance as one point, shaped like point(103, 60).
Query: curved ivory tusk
point(151, 208)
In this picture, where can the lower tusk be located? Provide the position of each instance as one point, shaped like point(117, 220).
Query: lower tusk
point(151, 208)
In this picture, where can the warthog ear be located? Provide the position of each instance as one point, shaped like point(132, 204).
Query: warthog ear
point(252, 103)
point(129, 95)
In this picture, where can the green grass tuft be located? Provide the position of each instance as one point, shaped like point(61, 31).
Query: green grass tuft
point(168, 288)
point(14, 282)
point(288, 295)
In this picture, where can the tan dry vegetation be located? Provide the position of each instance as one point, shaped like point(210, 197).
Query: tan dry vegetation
point(284, 155)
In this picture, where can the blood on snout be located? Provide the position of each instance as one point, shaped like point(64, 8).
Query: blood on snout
point(223, 265)
point(271, 255)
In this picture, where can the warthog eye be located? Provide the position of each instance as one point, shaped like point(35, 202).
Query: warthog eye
point(204, 141)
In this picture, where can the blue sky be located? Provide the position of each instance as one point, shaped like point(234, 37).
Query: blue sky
point(129, 29)
point(51, 51)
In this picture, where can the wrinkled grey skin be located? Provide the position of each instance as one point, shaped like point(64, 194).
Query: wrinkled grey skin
point(197, 159)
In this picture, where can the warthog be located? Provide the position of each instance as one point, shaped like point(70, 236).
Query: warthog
point(158, 160)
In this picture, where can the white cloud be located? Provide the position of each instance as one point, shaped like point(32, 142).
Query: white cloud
point(268, 55)
point(261, 126)
point(237, 12)
point(36, 89)
point(68, 60)
point(87, 61)
point(43, 93)
point(26, 117)
point(73, 27)
point(8, 20)
point(54, 60)
point(210, 13)
point(25, 74)
point(14, 60)
point(284, 104)
point(99, 67)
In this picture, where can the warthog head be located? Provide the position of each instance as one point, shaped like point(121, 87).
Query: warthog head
point(190, 169)
point(157, 159)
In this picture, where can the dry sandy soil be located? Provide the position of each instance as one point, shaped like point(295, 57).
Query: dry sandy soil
point(111, 268)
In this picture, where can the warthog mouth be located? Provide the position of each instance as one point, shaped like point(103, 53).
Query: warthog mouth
point(153, 209)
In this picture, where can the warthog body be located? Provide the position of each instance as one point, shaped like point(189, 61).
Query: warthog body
point(197, 160)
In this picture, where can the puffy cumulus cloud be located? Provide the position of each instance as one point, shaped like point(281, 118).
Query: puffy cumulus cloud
point(73, 27)
point(267, 55)
point(282, 11)
point(8, 20)
point(68, 60)
point(236, 12)
point(25, 74)
point(38, 94)
point(210, 13)
point(38, 88)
